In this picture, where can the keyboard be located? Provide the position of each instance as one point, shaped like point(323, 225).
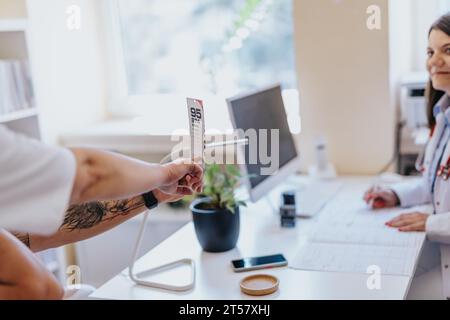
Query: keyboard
point(311, 199)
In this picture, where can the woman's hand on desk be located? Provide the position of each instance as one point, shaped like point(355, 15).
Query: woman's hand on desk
point(414, 221)
point(381, 197)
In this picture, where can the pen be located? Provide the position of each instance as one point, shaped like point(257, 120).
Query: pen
point(227, 143)
point(376, 188)
point(244, 141)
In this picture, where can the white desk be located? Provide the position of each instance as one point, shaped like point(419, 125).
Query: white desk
point(260, 234)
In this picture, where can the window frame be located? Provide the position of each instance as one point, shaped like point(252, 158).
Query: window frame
point(120, 102)
point(118, 93)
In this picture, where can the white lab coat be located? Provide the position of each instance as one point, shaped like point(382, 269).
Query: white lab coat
point(35, 183)
point(410, 194)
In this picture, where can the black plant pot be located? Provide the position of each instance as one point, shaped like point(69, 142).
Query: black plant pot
point(216, 230)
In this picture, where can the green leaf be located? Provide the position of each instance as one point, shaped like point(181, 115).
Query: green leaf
point(232, 170)
point(241, 203)
point(220, 183)
point(230, 207)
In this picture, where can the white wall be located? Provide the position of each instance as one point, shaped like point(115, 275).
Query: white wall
point(68, 65)
point(425, 12)
point(401, 44)
point(409, 23)
point(343, 75)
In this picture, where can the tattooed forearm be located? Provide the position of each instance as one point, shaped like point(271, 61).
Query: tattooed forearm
point(87, 215)
point(94, 218)
point(23, 237)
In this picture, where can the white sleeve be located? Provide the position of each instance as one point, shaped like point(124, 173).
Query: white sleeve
point(412, 192)
point(438, 227)
point(35, 184)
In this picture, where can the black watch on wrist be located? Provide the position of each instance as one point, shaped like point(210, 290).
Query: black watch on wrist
point(150, 200)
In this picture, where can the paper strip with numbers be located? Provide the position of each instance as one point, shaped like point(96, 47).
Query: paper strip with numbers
point(196, 129)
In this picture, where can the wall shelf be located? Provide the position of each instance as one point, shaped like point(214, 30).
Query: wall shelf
point(11, 25)
point(22, 114)
point(14, 38)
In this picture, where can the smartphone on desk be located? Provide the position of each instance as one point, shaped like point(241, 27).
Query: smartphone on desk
point(261, 262)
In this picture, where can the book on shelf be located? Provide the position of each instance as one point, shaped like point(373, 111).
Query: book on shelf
point(16, 90)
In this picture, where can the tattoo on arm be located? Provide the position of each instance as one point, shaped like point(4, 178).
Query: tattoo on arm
point(23, 237)
point(87, 215)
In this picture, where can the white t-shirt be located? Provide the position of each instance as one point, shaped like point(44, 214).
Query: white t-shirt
point(36, 182)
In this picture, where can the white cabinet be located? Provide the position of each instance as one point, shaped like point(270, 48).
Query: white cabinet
point(16, 113)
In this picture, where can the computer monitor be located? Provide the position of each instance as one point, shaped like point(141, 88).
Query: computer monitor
point(264, 109)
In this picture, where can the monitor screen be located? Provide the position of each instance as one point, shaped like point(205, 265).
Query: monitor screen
point(263, 110)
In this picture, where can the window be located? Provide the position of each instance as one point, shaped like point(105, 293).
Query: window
point(210, 49)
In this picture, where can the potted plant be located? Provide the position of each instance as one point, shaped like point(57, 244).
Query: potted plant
point(216, 210)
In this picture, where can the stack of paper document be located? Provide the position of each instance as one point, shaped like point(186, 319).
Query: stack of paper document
point(358, 241)
point(355, 259)
point(16, 92)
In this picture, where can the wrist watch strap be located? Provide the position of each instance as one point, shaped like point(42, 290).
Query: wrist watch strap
point(150, 200)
